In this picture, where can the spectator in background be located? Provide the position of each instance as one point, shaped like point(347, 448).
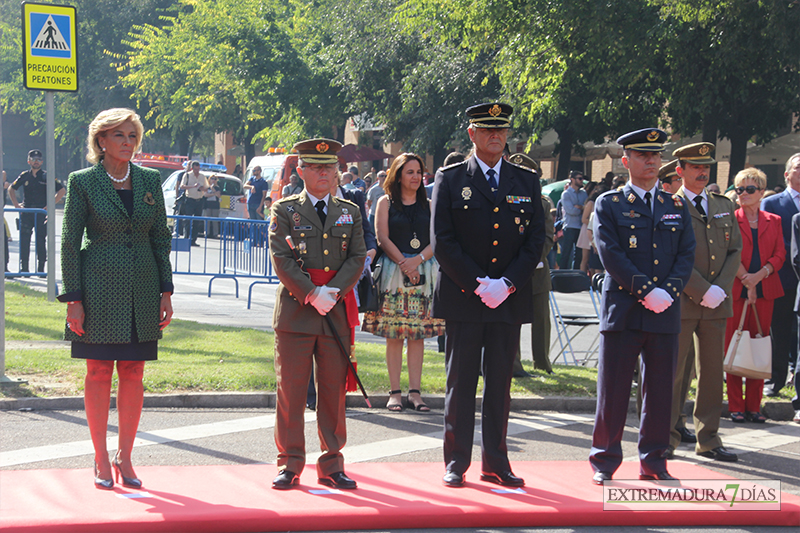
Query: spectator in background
point(593, 264)
point(358, 183)
point(346, 181)
point(237, 171)
point(572, 201)
point(373, 194)
point(618, 182)
point(295, 185)
point(6, 234)
point(763, 254)
point(608, 180)
point(584, 243)
point(258, 190)
point(784, 323)
point(408, 271)
point(194, 185)
point(212, 196)
point(713, 187)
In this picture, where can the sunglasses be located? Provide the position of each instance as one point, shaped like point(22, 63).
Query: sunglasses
point(35, 159)
point(750, 189)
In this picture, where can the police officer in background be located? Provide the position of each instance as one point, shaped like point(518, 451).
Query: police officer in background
point(34, 183)
point(705, 304)
point(487, 234)
point(328, 238)
point(647, 248)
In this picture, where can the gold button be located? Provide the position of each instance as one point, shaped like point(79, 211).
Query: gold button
point(494, 243)
point(462, 290)
point(465, 207)
point(650, 282)
point(712, 272)
point(640, 292)
point(325, 252)
point(496, 209)
point(655, 245)
point(655, 262)
point(344, 235)
point(633, 227)
point(644, 287)
point(327, 269)
point(302, 234)
point(710, 241)
point(521, 210)
point(669, 284)
point(655, 278)
point(324, 235)
point(713, 257)
point(496, 226)
point(620, 287)
point(494, 260)
point(673, 229)
point(709, 226)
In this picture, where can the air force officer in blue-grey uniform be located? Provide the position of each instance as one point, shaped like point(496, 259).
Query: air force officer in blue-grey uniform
point(487, 234)
point(646, 242)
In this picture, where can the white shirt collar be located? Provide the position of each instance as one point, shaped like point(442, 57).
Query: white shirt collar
point(795, 194)
point(314, 199)
point(641, 192)
point(690, 195)
point(485, 168)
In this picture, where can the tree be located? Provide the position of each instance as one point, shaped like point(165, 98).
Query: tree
point(734, 66)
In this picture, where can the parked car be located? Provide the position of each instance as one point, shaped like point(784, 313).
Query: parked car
point(232, 203)
point(165, 164)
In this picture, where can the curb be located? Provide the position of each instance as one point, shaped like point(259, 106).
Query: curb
point(780, 411)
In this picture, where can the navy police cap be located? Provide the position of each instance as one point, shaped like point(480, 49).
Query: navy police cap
point(646, 140)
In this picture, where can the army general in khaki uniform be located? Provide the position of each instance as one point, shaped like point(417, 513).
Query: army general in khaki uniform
point(705, 302)
point(328, 238)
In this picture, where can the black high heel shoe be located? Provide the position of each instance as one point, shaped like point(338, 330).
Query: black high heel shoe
point(104, 484)
point(132, 482)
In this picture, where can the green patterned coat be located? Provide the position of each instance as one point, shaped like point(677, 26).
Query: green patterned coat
point(112, 262)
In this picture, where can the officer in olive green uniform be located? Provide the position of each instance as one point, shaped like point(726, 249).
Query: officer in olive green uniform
point(327, 236)
point(540, 323)
point(705, 302)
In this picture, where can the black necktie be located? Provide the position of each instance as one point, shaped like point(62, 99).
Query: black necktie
point(492, 181)
point(647, 197)
point(698, 202)
point(321, 211)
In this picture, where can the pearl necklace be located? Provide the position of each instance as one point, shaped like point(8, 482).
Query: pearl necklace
point(120, 180)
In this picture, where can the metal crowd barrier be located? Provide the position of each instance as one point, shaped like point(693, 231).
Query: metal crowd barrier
point(39, 216)
point(239, 249)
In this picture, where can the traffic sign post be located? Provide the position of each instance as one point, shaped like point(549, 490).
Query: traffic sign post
point(50, 47)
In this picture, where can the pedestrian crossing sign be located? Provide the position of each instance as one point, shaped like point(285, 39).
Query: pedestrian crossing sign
point(50, 58)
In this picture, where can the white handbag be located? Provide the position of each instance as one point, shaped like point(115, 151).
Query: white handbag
point(749, 357)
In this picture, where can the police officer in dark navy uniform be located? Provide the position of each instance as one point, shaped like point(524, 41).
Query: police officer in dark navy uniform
point(646, 242)
point(34, 183)
point(487, 234)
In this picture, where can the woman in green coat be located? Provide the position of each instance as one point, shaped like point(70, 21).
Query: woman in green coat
point(117, 280)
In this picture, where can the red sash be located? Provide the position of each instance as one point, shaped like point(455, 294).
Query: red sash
point(319, 277)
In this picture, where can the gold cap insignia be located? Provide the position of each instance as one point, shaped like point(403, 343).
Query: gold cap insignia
point(704, 150)
point(466, 193)
point(652, 136)
point(322, 147)
point(495, 110)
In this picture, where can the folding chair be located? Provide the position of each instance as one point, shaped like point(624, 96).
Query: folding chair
point(569, 326)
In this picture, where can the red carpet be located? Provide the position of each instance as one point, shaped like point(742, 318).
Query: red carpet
point(390, 496)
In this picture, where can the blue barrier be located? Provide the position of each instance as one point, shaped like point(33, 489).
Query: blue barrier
point(32, 219)
point(240, 250)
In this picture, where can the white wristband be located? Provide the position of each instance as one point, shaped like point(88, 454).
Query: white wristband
point(422, 257)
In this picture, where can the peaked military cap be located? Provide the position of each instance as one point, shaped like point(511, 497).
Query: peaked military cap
point(697, 153)
point(646, 140)
point(491, 115)
point(318, 151)
point(34, 153)
point(667, 172)
point(524, 161)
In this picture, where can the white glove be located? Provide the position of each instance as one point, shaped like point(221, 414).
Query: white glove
point(323, 299)
point(714, 296)
point(657, 300)
point(494, 293)
point(482, 284)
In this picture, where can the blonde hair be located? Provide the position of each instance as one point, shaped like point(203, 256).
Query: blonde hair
point(751, 174)
point(106, 120)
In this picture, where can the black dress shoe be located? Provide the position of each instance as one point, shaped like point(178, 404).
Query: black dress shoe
point(453, 479)
point(687, 436)
point(669, 453)
point(720, 454)
point(521, 374)
point(338, 480)
point(661, 476)
point(599, 477)
point(285, 480)
point(507, 478)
